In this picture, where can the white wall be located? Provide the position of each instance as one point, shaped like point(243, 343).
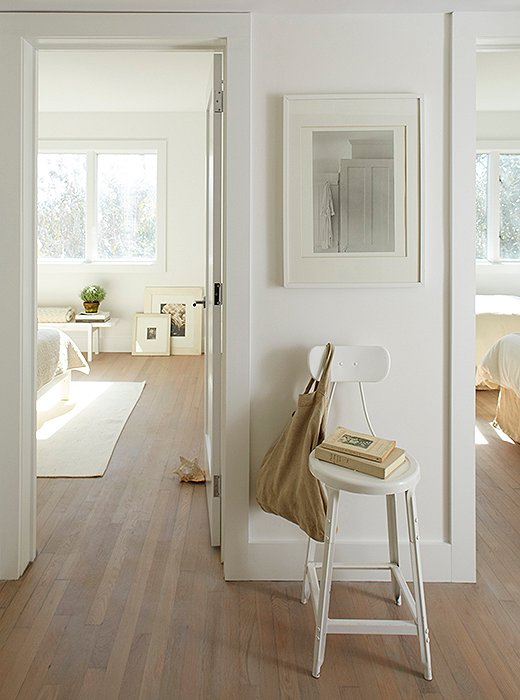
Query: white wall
point(185, 223)
point(333, 54)
point(352, 54)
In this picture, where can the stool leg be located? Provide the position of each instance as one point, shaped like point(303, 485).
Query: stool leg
point(326, 581)
point(311, 549)
point(393, 542)
point(420, 604)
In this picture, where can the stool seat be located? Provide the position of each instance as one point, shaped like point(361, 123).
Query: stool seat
point(405, 477)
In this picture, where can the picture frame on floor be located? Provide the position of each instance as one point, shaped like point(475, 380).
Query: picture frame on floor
point(185, 319)
point(151, 334)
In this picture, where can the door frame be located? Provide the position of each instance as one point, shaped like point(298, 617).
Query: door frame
point(23, 34)
point(468, 30)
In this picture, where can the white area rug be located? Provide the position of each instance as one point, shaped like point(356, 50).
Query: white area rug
point(77, 437)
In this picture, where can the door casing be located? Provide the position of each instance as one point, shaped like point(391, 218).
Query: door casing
point(22, 35)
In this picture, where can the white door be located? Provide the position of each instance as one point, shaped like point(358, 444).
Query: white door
point(213, 309)
point(367, 205)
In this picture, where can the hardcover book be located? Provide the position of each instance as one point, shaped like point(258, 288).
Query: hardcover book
point(98, 317)
point(359, 444)
point(381, 470)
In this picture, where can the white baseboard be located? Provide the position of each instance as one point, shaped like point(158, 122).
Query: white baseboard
point(283, 561)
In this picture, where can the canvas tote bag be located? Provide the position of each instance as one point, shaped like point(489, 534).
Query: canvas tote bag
point(285, 486)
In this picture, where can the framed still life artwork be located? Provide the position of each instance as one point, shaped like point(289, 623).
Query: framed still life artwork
point(185, 319)
point(151, 335)
point(352, 190)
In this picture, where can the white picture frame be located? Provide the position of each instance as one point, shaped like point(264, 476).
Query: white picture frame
point(352, 190)
point(186, 319)
point(151, 334)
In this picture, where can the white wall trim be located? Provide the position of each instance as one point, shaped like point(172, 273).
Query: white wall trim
point(27, 550)
point(283, 560)
point(462, 286)
point(17, 433)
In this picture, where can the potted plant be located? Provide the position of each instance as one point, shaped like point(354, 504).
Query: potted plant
point(91, 297)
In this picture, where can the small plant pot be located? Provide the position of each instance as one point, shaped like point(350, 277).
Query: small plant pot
point(91, 307)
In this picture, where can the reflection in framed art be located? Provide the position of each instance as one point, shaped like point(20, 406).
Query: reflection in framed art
point(352, 190)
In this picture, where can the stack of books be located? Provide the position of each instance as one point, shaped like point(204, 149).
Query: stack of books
point(98, 317)
point(362, 453)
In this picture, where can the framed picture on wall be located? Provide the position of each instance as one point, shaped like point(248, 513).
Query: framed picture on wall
point(151, 334)
point(185, 319)
point(352, 190)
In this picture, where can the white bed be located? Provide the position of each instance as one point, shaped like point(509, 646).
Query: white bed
point(500, 368)
point(57, 356)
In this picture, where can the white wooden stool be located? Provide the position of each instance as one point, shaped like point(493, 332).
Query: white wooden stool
point(359, 364)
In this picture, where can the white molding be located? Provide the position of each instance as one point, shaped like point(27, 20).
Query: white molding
point(498, 267)
point(487, 145)
point(462, 286)
point(18, 272)
point(17, 434)
point(27, 549)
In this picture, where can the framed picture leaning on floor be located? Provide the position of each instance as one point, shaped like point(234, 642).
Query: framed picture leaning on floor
point(185, 319)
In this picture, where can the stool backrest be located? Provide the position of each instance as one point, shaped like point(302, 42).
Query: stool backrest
point(352, 363)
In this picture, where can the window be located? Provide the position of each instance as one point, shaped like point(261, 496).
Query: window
point(498, 205)
point(100, 203)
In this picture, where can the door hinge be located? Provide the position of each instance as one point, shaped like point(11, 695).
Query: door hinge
point(218, 102)
point(216, 486)
point(217, 294)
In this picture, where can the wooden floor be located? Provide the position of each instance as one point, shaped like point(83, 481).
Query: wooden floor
point(126, 598)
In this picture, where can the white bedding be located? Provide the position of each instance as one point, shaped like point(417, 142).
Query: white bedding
point(500, 366)
point(496, 316)
point(57, 353)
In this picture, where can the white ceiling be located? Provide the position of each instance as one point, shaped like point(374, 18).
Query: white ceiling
point(498, 81)
point(264, 6)
point(123, 81)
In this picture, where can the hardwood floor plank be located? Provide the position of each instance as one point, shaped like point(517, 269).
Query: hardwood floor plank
point(266, 642)
point(43, 658)
point(91, 686)
point(156, 661)
point(22, 596)
point(112, 572)
point(40, 592)
point(248, 640)
point(123, 640)
point(108, 629)
point(17, 673)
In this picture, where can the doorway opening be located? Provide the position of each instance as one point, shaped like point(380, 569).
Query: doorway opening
point(128, 184)
point(497, 167)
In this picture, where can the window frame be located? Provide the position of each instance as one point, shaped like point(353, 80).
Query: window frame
point(93, 147)
point(494, 149)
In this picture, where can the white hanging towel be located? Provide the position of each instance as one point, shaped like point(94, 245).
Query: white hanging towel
point(326, 214)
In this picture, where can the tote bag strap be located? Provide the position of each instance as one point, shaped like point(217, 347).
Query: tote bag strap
point(323, 386)
point(324, 380)
point(311, 385)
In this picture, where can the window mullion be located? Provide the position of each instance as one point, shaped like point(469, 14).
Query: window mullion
point(493, 239)
point(91, 246)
